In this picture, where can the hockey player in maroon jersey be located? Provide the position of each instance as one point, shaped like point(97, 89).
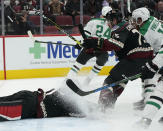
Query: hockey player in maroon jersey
point(132, 56)
point(37, 104)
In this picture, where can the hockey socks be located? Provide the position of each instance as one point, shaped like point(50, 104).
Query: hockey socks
point(10, 110)
point(153, 105)
point(74, 70)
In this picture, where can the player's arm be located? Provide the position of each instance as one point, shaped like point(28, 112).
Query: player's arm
point(103, 44)
point(151, 67)
point(158, 60)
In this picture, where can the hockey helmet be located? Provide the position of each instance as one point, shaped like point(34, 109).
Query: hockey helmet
point(116, 15)
point(140, 13)
point(106, 10)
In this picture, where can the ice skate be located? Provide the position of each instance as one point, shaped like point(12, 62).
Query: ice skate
point(139, 105)
point(106, 100)
point(161, 120)
point(144, 123)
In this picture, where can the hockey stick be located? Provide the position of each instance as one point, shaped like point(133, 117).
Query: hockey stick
point(82, 31)
point(49, 42)
point(129, 6)
point(59, 28)
point(122, 9)
point(80, 92)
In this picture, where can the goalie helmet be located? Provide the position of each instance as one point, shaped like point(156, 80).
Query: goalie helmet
point(142, 13)
point(106, 10)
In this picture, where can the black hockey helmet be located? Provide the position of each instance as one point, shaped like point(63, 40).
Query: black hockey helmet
point(115, 14)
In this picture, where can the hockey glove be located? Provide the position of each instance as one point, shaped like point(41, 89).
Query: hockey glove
point(161, 71)
point(92, 42)
point(149, 70)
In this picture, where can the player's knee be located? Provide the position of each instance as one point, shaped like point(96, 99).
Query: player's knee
point(82, 62)
point(108, 81)
point(101, 61)
point(117, 90)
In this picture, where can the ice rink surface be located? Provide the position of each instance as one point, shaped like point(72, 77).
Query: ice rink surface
point(122, 118)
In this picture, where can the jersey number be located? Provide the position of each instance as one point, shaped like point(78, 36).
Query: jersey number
point(99, 32)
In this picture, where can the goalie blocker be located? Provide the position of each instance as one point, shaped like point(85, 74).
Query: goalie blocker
point(38, 104)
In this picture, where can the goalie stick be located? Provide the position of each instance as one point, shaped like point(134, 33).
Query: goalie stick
point(48, 42)
point(80, 92)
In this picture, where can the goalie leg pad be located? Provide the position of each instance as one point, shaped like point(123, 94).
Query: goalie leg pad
point(10, 110)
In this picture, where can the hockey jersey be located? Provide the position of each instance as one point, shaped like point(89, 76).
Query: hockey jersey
point(152, 30)
point(98, 27)
point(127, 42)
point(135, 46)
point(158, 60)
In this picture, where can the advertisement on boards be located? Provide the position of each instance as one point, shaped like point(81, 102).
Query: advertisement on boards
point(27, 59)
point(22, 53)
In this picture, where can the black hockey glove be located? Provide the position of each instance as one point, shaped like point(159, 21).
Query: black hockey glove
point(161, 71)
point(92, 42)
point(149, 70)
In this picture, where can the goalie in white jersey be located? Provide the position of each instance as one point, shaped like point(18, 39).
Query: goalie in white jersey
point(152, 30)
point(99, 28)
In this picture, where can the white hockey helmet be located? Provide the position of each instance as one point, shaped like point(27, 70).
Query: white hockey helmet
point(106, 10)
point(142, 13)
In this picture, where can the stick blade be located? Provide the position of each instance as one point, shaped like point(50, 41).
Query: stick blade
point(31, 36)
point(75, 88)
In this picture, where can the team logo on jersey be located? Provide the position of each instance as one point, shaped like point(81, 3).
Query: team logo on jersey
point(116, 35)
point(129, 27)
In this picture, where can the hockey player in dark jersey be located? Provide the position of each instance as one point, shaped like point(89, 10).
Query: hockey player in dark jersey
point(37, 104)
point(132, 56)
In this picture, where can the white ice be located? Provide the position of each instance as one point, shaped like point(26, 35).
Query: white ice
point(122, 118)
